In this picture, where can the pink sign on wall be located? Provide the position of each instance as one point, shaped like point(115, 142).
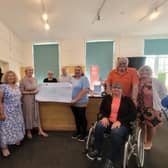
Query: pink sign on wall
point(94, 74)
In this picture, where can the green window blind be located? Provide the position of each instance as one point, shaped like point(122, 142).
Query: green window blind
point(45, 58)
point(100, 54)
point(156, 47)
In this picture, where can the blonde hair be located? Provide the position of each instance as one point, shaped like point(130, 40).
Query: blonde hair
point(145, 68)
point(28, 68)
point(80, 67)
point(5, 77)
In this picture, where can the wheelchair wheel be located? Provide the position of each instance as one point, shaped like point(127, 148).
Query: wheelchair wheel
point(140, 148)
point(90, 140)
point(127, 153)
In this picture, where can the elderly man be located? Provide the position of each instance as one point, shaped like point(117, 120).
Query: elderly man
point(126, 76)
point(65, 77)
point(50, 77)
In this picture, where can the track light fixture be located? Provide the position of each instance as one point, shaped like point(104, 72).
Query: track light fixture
point(98, 13)
point(45, 16)
point(47, 26)
point(154, 12)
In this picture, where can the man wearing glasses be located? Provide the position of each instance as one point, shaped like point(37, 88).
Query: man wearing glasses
point(128, 77)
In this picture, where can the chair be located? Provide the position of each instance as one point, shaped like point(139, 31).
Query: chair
point(132, 147)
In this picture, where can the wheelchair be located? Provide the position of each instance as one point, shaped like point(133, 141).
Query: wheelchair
point(134, 145)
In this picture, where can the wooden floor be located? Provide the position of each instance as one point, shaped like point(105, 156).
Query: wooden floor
point(60, 151)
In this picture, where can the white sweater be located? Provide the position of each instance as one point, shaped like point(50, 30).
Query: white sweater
point(159, 92)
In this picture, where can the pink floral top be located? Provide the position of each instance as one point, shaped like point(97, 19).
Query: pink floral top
point(147, 92)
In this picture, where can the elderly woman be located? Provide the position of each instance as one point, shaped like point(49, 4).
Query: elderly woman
point(81, 87)
point(12, 128)
point(28, 86)
point(116, 113)
point(50, 78)
point(151, 91)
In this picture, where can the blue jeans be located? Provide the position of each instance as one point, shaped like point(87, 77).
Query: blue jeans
point(117, 135)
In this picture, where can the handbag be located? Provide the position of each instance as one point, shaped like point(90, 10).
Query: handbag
point(152, 117)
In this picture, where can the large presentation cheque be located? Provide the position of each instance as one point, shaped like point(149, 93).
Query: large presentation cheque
point(54, 92)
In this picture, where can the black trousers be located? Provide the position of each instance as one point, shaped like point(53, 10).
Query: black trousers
point(80, 119)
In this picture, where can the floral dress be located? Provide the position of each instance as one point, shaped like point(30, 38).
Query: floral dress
point(148, 114)
point(12, 129)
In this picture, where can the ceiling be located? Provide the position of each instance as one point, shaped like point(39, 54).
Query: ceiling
point(76, 19)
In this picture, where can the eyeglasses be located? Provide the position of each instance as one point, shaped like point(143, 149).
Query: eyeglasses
point(123, 64)
point(116, 87)
point(148, 87)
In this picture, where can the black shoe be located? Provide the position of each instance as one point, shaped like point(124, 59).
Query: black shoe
point(94, 155)
point(81, 138)
point(108, 164)
point(76, 135)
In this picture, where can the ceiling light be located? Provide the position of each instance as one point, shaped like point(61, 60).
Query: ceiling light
point(154, 14)
point(47, 26)
point(45, 16)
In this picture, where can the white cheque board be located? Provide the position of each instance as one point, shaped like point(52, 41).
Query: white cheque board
point(54, 92)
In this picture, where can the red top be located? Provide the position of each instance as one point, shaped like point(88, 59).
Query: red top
point(114, 108)
point(127, 79)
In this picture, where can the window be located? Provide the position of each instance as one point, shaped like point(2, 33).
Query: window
point(156, 51)
point(45, 59)
point(159, 65)
point(99, 53)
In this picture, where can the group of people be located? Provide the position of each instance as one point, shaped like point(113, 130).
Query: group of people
point(130, 95)
point(81, 87)
point(19, 111)
point(16, 116)
point(65, 77)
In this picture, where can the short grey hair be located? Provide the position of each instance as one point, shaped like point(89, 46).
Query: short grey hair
point(122, 59)
point(50, 72)
point(117, 84)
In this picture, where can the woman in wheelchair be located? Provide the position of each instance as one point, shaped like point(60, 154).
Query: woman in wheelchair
point(116, 113)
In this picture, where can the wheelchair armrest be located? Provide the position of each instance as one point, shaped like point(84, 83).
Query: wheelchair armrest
point(133, 125)
point(99, 116)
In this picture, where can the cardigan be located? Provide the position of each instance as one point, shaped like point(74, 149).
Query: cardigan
point(159, 92)
point(127, 111)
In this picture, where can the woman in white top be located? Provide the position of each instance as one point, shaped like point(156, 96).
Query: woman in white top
point(151, 91)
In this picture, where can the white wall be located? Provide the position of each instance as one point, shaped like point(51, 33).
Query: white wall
point(11, 50)
point(72, 51)
point(128, 47)
point(28, 53)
